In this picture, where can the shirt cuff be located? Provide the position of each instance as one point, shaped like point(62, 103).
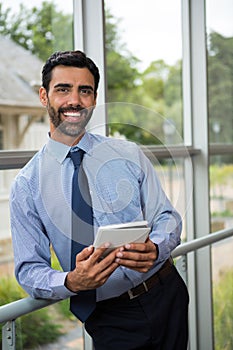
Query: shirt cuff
point(59, 288)
point(163, 251)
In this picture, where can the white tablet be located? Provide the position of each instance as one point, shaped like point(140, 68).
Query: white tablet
point(121, 234)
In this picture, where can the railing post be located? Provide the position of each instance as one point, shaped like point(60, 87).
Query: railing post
point(181, 265)
point(8, 336)
point(87, 341)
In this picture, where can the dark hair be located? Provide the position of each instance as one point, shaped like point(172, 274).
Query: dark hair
point(72, 59)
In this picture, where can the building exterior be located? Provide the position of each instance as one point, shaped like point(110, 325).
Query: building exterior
point(23, 121)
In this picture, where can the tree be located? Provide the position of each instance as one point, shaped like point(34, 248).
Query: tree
point(162, 85)
point(40, 30)
point(123, 85)
point(220, 86)
point(44, 29)
point(154, 78)
point(122, 73)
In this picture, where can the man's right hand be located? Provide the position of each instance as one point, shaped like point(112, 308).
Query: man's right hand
point(91, 270)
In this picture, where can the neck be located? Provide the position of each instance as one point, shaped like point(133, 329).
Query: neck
point(58, 136)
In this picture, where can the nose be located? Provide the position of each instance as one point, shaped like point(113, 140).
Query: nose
point(74, 99)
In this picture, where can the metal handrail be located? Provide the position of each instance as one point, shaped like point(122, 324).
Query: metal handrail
point(201, 242)
point(17, 159)
point(24, 306)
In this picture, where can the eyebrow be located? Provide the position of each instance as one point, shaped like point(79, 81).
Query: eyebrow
point(62, 85)
point(85, 87)
point(66, 85)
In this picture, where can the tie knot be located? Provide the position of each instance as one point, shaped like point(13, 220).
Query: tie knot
point(76, 157)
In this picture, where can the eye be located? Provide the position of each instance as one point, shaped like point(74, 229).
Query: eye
point(63, 89)
point(85, 92)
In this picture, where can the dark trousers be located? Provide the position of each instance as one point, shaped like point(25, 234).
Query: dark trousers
point(156, 320)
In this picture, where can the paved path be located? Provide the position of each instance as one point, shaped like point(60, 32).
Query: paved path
point(72, 340)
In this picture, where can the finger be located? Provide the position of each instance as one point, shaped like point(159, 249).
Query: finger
point(85, 253)
point(103, 275)
point(91, 252)
point(100, 255)
point(143, 247)
point(136, 255)
point(141, 266)
point(96, 275)
point(99, 252)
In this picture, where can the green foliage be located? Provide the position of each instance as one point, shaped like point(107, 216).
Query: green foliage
point(154, 78)
point(121, 77)
point(221, 175)
point(33, 329)
point(42, 29)
point(222, 214)
point(172, 87)
point(112, 37)
point(220, 86)
point(126, 84)
point(122, 73)
point(10, 291)
point(223, 311)
point(36, 329)
point(137, 123)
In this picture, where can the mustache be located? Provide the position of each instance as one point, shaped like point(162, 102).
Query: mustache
point(72, 109)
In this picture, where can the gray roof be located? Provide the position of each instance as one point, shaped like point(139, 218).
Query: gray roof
point(20, 71)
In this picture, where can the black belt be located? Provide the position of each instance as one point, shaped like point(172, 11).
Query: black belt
point(149, 283)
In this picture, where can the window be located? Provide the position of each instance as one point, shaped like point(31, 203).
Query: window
point(220, 106)
point(143, 58)
point(30, 31)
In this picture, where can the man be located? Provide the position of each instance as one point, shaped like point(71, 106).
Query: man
point(141, 301)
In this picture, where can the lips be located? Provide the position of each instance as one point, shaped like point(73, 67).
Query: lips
point(73, 116)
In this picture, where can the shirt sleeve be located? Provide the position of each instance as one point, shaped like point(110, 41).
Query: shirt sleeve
point(163, 218)
point(32, 248)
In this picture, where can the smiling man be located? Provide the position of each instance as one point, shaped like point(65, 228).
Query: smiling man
point(133, 298)
point(69, 97)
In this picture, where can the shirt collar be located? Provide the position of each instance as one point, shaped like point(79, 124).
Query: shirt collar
point(59, 150)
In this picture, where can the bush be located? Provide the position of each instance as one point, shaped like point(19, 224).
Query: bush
point(223, 311)
point(34, 329)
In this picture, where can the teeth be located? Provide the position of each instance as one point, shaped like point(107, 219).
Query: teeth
point(72, 114)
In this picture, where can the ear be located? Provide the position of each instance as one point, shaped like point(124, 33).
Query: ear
point(43, 96)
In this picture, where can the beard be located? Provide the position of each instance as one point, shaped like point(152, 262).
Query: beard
point(68, 128)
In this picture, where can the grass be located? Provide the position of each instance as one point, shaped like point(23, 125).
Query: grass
point(223, 311)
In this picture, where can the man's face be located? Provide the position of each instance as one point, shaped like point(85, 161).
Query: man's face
point(70, 102)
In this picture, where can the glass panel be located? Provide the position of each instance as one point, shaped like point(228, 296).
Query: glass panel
point(221, 192)
point(221, 204)
point(143, 56)
point(220, 104)
point(6, 253)
point(29, 32)
point(220, 68)
point(222, 269)
point(171, 175)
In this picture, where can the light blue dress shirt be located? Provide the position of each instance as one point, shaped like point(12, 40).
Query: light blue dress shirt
point(124, 188)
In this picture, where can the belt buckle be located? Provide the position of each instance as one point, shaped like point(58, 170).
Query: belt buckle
point(132, 296)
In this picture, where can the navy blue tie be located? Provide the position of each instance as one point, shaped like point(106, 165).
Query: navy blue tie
point(84, 303)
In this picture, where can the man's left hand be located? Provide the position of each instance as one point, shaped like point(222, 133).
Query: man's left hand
point(138, 256)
